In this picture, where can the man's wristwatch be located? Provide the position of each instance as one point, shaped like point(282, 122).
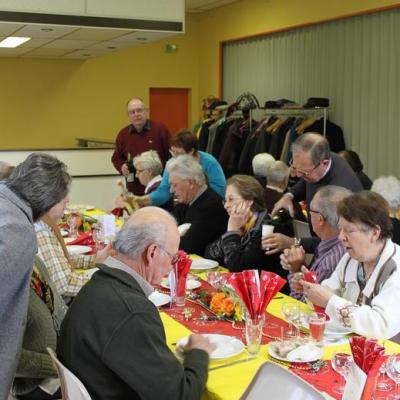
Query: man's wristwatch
point(297, 242)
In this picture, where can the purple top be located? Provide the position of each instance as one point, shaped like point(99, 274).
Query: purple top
point(326, 257)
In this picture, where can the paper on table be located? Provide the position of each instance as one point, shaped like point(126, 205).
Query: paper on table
point(355, 383)
point(108, 223)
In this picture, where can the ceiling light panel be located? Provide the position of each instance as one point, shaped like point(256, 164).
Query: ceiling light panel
point(13, 41)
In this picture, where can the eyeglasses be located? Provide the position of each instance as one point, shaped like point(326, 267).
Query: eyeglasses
point(174, 258)
point(302, 172)
point(231, 200)
point(136, 111)
point(317, 212)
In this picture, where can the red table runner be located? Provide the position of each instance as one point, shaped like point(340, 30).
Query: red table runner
point(325, 380)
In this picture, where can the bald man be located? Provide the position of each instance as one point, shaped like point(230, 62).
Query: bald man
point(113, 338)
point(140, 135)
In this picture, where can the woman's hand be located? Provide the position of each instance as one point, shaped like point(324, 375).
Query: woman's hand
point(239, 215)
point(292, 259)
point(316, 293)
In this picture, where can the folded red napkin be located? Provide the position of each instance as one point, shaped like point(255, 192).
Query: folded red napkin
point(368, 355)
point(117, 211)
point(254, 290)
point(84, 238)
point(311, 277)
point(181, 270)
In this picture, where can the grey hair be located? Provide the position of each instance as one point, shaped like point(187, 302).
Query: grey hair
point(187, 167)
point(149, 160)
point(389, 188)
point(315, 144)
point(277, 172)
point(41, 180)
point(138, 232)
point(136, 98)
point(261, 162)
point(328, 198)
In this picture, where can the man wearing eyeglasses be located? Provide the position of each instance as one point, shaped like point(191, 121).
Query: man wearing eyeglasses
point(316, 167)
point(142, 134)
point(112, 337)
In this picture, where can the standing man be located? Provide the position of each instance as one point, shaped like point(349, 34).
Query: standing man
point(113, 338)
point(32, 189)
point(316, 167)
point(141, 135)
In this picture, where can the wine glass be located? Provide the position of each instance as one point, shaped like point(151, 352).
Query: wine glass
point(393, 371)
point(341, 363)
point(291, 312)
point(382, 384)
point(98, 236)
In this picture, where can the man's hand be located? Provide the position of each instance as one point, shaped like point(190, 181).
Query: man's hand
point(200, 342)
point(124, 170)
point(105, 253)
point(239, 216)
point(284, 202)
point(276, 242)
point(292, 259)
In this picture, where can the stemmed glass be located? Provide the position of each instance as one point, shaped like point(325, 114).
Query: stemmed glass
point(98, 236)
point(341, 363)
point(291, 312)
point(382, 385)
point(393, 371)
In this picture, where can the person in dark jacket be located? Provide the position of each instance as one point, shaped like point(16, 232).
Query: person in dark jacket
point(239, 247)
point(112, 337)
point(314, 163)
point(199, 207)
point(357, 166)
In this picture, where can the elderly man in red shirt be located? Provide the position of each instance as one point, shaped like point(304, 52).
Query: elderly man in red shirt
point(140, 135)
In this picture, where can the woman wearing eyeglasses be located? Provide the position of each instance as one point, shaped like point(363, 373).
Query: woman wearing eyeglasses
point(363, 293)
point(240, 247)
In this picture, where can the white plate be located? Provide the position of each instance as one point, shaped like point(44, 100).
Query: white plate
point(203, 263)
point(227, 346)
point(190, 284)
point(316, 350)
point(159, 299)
point(69, 239)
point(75, 249)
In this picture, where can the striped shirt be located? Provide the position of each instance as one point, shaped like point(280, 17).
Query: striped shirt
point(326, 257)
point(67, 280)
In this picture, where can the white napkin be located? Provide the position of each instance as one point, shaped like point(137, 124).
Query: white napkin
point(305, 353)
point(183, 229)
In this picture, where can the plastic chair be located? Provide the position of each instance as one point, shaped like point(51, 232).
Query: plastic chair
point(71, 387)
point(275, 382)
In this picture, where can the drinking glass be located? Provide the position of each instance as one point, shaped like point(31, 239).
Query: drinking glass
point(291, 312)
point(74, 222)
point(316, 323)
point(98, 236)
point(393, 371)
point(341, 363)
point(254, 329)
point(266, 230)
point(383, 385)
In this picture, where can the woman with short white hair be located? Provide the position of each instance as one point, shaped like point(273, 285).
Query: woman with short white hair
point(148, 168)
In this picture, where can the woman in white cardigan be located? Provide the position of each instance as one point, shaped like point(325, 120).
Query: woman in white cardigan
point(363, 294)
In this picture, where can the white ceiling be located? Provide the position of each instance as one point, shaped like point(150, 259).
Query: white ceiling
point(74, 42)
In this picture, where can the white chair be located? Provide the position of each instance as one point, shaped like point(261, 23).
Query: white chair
point(275, 382)
point(71, 387)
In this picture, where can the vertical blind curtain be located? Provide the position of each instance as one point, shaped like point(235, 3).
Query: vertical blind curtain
point(354, 62)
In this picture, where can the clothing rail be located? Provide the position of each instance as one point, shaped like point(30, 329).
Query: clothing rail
point(292, 112)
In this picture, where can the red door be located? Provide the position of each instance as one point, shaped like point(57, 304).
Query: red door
point(170, 106)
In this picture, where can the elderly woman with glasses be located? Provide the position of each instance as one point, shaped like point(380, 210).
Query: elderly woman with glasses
point(148, 168)
point(363, 293)
point(240, 247)
point(186, 142)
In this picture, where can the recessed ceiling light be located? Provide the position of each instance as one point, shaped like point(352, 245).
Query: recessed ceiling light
point(111, 47)
point(86, 55)
point(142, 39)
point(13, 41)
point(47, 29)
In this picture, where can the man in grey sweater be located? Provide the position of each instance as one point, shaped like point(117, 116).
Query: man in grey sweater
point(36, 185)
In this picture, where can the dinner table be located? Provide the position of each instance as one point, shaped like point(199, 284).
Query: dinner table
point(228, 378)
